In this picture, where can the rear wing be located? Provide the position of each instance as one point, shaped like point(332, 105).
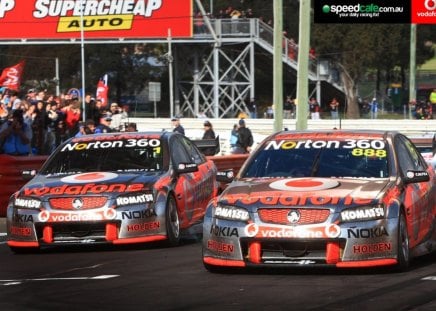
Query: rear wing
point(203, 144)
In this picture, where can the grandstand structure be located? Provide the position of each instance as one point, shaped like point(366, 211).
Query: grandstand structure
point(223, 66)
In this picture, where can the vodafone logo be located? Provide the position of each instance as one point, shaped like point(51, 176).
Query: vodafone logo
point(332, 231)
point(304, 184)
point(430, 4)
point(251, 230)
point(89, 177)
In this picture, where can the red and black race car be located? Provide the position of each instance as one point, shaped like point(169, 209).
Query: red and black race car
point(116, 188)
point(324, 198)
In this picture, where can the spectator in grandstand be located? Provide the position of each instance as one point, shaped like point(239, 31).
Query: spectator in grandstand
point(118, 117)
point(334, 108)
point(373, 108)
point(39, 128)
point(288, 108)
point(177, 126)
point(245, 139)
point(72, 114)
point(252, 108)
point(105, 124)
point(131, 127)
point(86, 128)
point(208, 134)
point(314, 109)
point(15, 135)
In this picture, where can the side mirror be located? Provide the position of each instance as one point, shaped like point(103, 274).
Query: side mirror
point(186, 168)
point(416, 176)
point(225, 176)
point(28, 174)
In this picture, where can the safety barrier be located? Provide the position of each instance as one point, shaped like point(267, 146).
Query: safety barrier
point(11, 168)
point(10, 175)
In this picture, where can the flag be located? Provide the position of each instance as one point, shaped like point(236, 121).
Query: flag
point(102, 90)
point(11, 76)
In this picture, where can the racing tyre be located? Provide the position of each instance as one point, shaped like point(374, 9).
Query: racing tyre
point(403, 252)
point(172, 222)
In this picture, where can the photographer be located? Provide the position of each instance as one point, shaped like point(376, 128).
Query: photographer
point(15, 135)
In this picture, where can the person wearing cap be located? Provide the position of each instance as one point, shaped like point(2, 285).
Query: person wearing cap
point(245, 139)
point(208, 134)
point(105, 124)
point(178, 128)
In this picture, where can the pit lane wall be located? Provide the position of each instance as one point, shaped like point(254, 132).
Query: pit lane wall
point(12, 166)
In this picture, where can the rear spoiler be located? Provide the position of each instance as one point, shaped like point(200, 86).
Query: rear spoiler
point(203, 144)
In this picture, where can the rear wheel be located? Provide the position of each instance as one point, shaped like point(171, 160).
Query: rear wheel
point(403, 252)
point(172, 222)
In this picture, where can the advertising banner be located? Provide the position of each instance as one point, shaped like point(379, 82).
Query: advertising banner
point(101, 19)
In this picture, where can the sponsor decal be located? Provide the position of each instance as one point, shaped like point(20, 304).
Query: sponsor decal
point(220, 247)
point(254, 230)
point(83, 189)
point(108, 144)
point(283, 198)
point(223, 231)
point(138, 214)
point(22, 218)
point(231, 213)
point(117, 137)
point(304, 184)
point(100, 19)
point(413, 174)
point(47, 216)
point(89, 177)
point(362, 11)
point(362, 214)
point(21, 231)
point(362, 147)
point(366, 233)
point(146, 226)
point(183, 166)
point(372, 248)
point(423, 12)
point(377, 144)
point(135, 199)
point(27, 203)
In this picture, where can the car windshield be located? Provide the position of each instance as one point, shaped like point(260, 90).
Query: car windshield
point(116, 156)
point(326, 159)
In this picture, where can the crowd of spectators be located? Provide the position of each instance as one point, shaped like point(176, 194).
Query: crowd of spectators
point(37, 122)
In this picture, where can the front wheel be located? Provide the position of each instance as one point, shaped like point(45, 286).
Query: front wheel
point(172, 222)
point(403, 252)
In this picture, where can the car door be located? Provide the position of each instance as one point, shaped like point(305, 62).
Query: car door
point(193, 190)
point(417, 197)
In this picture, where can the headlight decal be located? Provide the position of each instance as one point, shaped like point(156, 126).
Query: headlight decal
point(135, 199)
point(231, 213)
point(27, 203)
point(363, 213)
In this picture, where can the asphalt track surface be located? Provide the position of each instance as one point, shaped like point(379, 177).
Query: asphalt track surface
point(154, 277)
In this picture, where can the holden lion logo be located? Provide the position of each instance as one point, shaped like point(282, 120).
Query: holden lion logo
point(77, 203)
point(294, 216)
